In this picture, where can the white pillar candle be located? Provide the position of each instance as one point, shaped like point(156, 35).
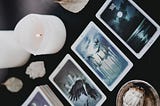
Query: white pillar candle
point(41, 34)
point(11, 53)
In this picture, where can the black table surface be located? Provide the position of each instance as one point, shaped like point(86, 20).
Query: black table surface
point(11, 11)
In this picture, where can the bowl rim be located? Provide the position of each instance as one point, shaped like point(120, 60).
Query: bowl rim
point(130, 83)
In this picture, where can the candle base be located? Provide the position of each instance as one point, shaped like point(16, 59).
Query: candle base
point(12, 54)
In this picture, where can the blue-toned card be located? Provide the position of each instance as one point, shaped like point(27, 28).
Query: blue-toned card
point(102, 56)
point(130, 24)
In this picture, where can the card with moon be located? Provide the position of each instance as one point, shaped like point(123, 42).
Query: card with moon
point(102, 56)
point(75, 85)
point(130, 24)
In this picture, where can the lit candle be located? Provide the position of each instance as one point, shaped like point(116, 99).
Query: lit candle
point(41, 34)
point(12, 54)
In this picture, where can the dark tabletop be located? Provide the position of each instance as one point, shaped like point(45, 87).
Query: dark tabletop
point(11, 11)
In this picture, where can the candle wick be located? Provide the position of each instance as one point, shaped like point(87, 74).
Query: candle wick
point(39, 35)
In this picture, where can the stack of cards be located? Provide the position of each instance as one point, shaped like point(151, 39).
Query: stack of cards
point(42, 96)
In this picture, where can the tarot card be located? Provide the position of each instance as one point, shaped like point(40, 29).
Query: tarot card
point(102, 56)
point(75, 85)
point(37, 98)
point(130, 24)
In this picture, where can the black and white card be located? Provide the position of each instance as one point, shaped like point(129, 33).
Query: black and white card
point(75, 85)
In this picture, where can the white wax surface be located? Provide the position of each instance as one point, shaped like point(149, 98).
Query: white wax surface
point(11, 53)
point(50, 28)
point(74, 6)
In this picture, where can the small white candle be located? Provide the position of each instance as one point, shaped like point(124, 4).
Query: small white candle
point(41, 34)
point(11, 54)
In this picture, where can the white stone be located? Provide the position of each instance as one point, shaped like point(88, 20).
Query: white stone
point(13, 84)
point(36, 70)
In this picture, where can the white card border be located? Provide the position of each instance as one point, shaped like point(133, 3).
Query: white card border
point(61, 65)
point(50, 94)
point(120, 77)
point(32, 95)
point(150, 42)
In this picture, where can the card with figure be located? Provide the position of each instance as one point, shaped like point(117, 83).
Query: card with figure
point(130, 24)
point(37, 98)
point(102, 56)
point(75, 85)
